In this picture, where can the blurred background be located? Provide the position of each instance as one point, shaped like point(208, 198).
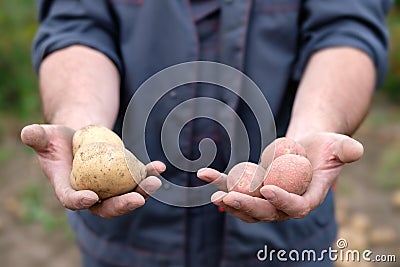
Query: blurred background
point(34, 231)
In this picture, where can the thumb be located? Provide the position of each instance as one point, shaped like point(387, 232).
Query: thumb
point(349, 150)
point(35, 136)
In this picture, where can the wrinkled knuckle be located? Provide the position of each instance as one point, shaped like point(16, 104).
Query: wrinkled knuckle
point(248, 209)
point(121, 208)
point(275, 217)
point(119, 204)
point(283, 205)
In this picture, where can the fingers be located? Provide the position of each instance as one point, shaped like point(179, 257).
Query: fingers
point(119, 205)
point(148, 186)
point(327, 153)
point(254, 207)
point(35, 136)
point(349, 150)
point(217, 199)
point(155, 168)
point(293, 205)
point(70, 198)
point(52, 143)
point(46, 139)
point(247, 208)
point(53, 146)
point(151, 184)
point(115, 206)
point(77, 200)
point(213, 176)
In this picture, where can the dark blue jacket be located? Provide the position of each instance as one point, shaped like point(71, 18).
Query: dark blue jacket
point(270, 41)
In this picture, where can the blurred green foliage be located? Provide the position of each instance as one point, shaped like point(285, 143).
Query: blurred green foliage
point(391, 86)
point(388, 171)
point(18, 85)
point(35, 210)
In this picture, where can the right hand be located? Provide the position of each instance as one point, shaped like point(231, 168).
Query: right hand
point(53, 146)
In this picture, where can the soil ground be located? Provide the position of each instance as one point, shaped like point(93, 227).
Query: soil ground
point(34, 231)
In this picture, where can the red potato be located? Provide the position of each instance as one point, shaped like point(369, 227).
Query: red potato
point(279, 147)
point(246, 178)
point(290, 172)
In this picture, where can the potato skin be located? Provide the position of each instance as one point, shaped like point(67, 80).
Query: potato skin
point(290, 172)
point(102, 168)
point(279, 147)
point(246, 178)
point(94, 134)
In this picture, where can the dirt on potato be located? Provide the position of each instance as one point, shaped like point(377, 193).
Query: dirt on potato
point(366, 187)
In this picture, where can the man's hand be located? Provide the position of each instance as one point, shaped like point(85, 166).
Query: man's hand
point(327, 152)
point(53, 146)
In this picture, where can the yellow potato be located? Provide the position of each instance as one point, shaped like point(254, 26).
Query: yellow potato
point(106, 169)
point(93, 134)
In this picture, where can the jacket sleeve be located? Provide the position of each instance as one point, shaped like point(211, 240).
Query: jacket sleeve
point(356, 23)
point(64, 23)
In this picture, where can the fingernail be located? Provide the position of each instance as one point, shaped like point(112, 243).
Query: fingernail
point(235, 204)
point(201, 170)
point(87, 202)
point(217, 196)
point(163, 168)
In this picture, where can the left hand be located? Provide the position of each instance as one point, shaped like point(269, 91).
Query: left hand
point(327, 152)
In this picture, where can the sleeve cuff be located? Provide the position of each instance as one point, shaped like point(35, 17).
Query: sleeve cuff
point(347, 40)
point(64, 40)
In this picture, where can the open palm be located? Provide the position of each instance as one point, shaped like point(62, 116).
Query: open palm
point(53, 146)
point(327, 152)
